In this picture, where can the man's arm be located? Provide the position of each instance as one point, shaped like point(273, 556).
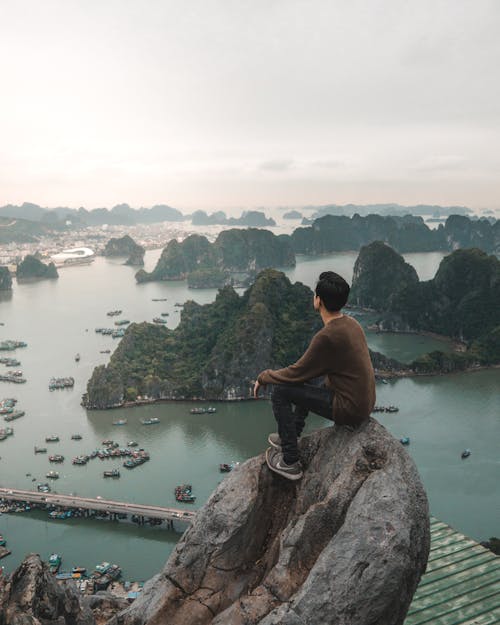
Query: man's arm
point(313, 363)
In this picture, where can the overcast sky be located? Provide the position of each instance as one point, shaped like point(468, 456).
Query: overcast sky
point(243, 103)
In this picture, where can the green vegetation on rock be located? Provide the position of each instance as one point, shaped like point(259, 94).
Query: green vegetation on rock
point(33, 268)
point(234, 257)
point(461, 301)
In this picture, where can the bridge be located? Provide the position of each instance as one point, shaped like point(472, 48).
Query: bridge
point(113, 508)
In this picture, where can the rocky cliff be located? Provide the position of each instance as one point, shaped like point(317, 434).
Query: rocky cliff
point(31, 596)
point(347, 544)
point(236, 256)
point(31, 268)
point(380, 273)
point(5, 279)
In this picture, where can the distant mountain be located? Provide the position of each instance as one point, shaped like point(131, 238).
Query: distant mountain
point(252, 219)
point(125, 246)
point(293, 214)
point(430, 210)
point(404, 234)
point(16, 230)
point(121, 214)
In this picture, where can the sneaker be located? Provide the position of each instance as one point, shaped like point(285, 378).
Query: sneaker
point(274, 440)
point(276, 463)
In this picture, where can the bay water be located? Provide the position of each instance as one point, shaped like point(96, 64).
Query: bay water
point(441, 415)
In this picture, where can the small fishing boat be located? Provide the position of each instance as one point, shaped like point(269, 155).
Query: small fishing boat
point(76, 437)
point(466, 453)
point(53, 475)
point(150, 421)
point(120, 422)
point(54, 562)
point(112, 473)
point(405, 440)
point(52, 439)
point(77, 358)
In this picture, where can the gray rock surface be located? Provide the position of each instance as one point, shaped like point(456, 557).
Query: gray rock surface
point(346, 545)
point(31, 596)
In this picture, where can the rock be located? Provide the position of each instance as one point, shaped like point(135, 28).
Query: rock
point(380, 274)
point(345, 545)
point(31, 596)
point(104, 605)
point(5, 279)
point(33, 268)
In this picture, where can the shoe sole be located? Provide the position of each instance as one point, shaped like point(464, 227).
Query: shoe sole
point(288, 476)
point(274, 445)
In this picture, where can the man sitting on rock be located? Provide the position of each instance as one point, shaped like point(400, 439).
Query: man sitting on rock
point(340, 353)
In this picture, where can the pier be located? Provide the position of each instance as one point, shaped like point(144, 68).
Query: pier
point(142, 511)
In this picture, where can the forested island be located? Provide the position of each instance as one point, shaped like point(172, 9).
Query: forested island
point(461, 302)
point(125, 246)
point(251, 219)
point(405, 234)
point(235, 257)
point(5, 279)
point(32, 268)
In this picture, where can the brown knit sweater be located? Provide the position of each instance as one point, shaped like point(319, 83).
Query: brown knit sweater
point(338, 351)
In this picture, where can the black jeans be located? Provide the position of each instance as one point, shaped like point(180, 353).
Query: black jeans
point(291, 405)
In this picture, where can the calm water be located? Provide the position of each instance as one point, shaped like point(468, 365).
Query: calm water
point(57, 319)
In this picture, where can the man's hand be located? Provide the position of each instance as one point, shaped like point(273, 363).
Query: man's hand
point(256, 388)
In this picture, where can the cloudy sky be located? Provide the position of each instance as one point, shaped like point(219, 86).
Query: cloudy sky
point(243, 103)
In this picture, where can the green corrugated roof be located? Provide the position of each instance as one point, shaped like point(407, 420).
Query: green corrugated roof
point(461, 585)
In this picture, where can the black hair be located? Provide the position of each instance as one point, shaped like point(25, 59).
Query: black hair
point(332, 290)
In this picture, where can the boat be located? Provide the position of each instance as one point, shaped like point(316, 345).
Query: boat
point(159, 299)
point(122, 322)
point(102, 568)
point(165, 314)
point(16, 414)
point(79, 569)
point(105, 351)
point(52, 439)
point(55, 383)
point(392, 409)
point(120, 422)
point(54, 562)
point(80, 459)
point(183, 493)
point(76, 437)
point(405, 440)
point(3, 542)
point(112, 473)
point(159, 320)
point(56, 458)
point(116, 334)
point(40, 450)
point(114, 313)
point(53, 475)
point(43, 488)
point(150, 421)
point(77, 358)
point(466, 453)
point(226, 467)
point(132, 444)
